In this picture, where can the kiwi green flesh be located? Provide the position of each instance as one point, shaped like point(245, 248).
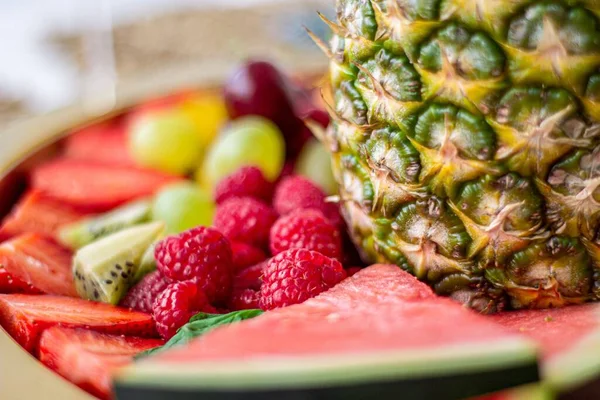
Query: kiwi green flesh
point(86, 231)
point(105, 269)
point(147, 263)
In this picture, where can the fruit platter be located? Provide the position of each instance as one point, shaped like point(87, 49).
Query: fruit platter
point(422, 223)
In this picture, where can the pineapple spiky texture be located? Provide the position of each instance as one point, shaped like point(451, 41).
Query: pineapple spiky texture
point(466, 143)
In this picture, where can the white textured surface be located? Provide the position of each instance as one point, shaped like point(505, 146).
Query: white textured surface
point(31, 68)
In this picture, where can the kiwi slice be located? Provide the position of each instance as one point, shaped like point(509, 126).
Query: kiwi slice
point(147, 263)
point(105, 269)
point(86, 231)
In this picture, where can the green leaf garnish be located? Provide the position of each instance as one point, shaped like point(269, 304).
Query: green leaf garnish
point(200, 324)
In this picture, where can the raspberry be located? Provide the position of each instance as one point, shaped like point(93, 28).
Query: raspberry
point(332, 212)
point(250, 278)
point(245, 182)
point(295, 193)
point(174, 307)
point(296, 275)
point(246, 220)
point(141, 297)
point(245, 255)
point(352, 270)
point(246, 288)
point(244, 299)
point(287, 170)
point(202, 254)
point(306, 229)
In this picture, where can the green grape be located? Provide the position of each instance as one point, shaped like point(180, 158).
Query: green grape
point(166, 140)
point(246, 141)
point(314, 162)
point(183, 206)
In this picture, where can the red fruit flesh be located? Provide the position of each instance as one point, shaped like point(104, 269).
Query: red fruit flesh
point(244, 299)
point(296, 193)
point(11, 284)
point(556, 330)
point(202, 254)
point(245, 255)
point(96, 187)
point(26, 316)
point(39, 262)
point(87, 358)
point(174, 307)
point(306, 229)
point(245, 182)
point(380, 309)
point(246, 288)
point(103, 143)
point(141, 297)
point(246, 220)
point(251, 277)
point(37, 213)
point(296, 275)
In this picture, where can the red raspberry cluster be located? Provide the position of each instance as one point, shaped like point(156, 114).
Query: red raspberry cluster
point(227, 266)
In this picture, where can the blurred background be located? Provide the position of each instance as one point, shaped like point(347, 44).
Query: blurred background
point(57, 52)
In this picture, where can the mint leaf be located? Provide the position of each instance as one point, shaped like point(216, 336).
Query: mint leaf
point(200, 324)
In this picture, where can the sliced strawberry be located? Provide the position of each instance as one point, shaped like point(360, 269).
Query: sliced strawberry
point(11, 284)
point(26, 316)
point(104, 143)
point(88, 358)
point(96, 187)
point(39, 262)
point(37, 213)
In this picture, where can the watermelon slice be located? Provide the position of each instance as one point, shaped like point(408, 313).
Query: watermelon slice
point(379, 334)
point(103, 143)
point(96, 187)
point(39, 262)
point(37, 213)
point(528, 392)
point(569, 338)
point(88, 358)
point(26, 316)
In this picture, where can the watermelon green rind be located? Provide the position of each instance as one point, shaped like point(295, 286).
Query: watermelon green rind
point(575, 367)
point(569, 340)
point(451, 387)
point(373, 331)
point(334, 370)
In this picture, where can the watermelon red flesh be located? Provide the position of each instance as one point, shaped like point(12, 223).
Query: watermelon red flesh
point(37, 213)
point(380, 311)
point(103, 143)
point(359, 305)
point(88, 358)
point(568, 338)
point(39, 262)
point(556, 330)
point(96, 187)
point(25, 317)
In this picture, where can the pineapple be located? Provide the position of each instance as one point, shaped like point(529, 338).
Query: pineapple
point(466, 143)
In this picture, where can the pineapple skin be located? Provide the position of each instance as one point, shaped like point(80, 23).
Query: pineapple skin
point(465, 139)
